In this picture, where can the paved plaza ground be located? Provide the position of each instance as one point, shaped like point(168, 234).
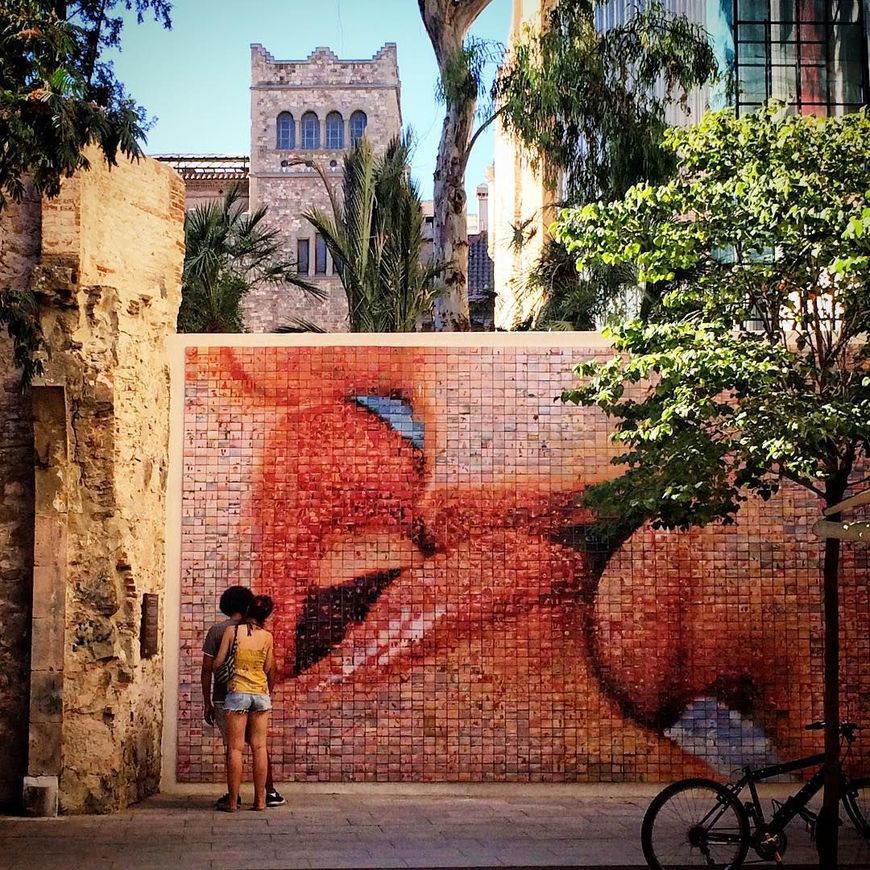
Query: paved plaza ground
point(365, 826)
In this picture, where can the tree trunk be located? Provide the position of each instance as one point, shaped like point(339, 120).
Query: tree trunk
point(447, 23)
point(450, 225)
point(828, 821)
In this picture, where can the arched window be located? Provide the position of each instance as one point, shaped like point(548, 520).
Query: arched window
point(286, 138)
point(310, 131)
point(358, 122)
point(334, 131)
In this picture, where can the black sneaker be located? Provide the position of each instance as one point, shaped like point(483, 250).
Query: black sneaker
point(222, 802)
point(273, 799)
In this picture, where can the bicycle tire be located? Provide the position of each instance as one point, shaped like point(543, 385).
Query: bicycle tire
point(856, 800)
point(678, 825)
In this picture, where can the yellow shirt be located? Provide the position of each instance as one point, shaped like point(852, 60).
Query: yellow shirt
point(250, 675)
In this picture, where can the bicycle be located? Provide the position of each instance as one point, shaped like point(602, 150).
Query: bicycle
point(701, 822)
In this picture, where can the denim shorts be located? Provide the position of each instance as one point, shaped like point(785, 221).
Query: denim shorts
point(246, 702)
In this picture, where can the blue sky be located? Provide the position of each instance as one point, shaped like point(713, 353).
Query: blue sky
point(195, 78)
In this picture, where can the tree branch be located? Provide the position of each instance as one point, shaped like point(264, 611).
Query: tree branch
point(467, 11)
point(800, 481)
point(480, 130)
point(313, 164)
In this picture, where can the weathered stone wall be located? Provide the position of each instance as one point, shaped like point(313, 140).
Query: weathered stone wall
point(19, 247)
point(320, 84)
point(121, 233)
point(108, 282)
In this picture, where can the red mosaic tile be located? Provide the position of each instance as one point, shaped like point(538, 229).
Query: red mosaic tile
point(415, 513)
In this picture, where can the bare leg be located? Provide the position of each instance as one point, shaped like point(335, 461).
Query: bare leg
point(270, 783)
point(259, 730)
point(236, 723)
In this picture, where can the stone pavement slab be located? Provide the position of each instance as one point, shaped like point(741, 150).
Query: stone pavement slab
point(364, 827)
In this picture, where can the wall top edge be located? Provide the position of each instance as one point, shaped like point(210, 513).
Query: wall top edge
point(410, 339)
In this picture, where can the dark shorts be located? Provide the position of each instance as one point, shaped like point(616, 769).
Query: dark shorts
point(220, 721)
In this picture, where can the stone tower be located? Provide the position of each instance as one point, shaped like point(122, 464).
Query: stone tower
point(311, 110)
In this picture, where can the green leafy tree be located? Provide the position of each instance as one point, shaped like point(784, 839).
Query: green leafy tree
point(586, 103)
point(375, 236)
point(590, 108)
point(757, 371)
point(57, 97)
point(227, 253)
point(583, 102)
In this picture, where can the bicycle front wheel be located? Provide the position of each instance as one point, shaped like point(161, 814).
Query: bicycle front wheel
point(695, 822)
point(856, 800)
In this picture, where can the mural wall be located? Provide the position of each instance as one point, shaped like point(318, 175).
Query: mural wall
point(444, 612)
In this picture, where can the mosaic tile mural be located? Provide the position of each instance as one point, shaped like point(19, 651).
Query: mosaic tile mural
point(443, 612)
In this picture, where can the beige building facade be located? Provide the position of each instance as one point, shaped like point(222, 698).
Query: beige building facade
point(521, 203)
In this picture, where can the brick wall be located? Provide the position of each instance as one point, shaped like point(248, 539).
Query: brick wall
point(443, 615)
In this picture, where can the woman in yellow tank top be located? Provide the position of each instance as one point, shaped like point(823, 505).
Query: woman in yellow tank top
point(248, 697)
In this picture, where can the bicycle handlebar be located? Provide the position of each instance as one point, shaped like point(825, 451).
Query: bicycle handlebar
point(847, 729)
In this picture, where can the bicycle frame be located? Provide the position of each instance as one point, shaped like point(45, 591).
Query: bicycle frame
point(794, 803)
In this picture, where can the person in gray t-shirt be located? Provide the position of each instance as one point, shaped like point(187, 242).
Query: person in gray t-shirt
point(234, 605)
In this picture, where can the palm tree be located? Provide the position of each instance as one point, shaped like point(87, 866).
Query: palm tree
point(229, 252)
point(375, 236)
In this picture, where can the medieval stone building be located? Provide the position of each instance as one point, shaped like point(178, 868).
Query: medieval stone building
point(302, 112)
point(83, 471)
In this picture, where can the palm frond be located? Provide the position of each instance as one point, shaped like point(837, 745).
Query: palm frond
point(375, 238)
point(300, 324)
point(228, 252)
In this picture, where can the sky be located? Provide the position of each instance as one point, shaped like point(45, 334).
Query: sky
point(195, 77)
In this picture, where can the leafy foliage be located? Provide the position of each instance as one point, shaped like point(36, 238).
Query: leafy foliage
point(56, 98)
point(586, 102)
point(229, 251)
point(464, 75)
point(19, 313)
point(757, 372)
point(571, 299)
point(375, 237)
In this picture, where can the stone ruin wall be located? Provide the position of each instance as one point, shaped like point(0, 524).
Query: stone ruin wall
point(19, 246)
point(109, 288)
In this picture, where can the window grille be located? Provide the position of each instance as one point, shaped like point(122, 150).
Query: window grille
point(310, 131)
point(286, 138)
point(358, 124)
point(334, 131)
point(811, 54)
